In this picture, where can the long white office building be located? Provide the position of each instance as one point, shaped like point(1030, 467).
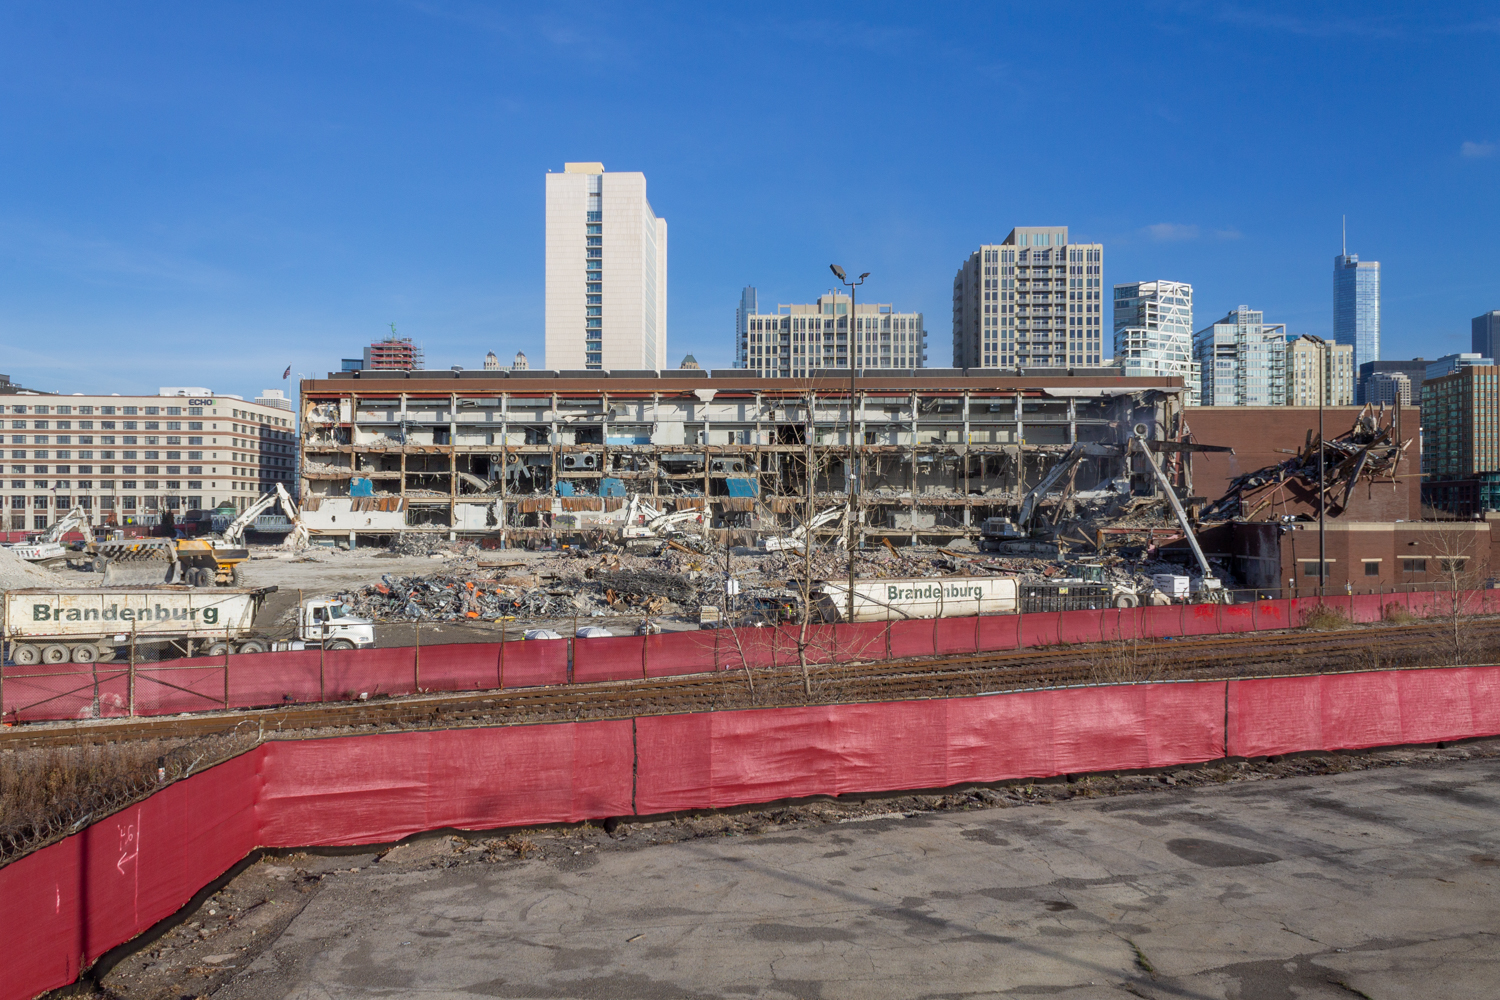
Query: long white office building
point(1032, 300)
point(123, 456)
point(606, 272)
point(798, 340)
point(1153, 331)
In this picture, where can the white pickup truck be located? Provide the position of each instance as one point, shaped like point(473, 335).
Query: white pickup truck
point(100, 624)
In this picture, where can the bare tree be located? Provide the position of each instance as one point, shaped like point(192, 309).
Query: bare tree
point(1461, 571)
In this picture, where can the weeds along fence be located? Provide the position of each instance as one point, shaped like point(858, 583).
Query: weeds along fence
point(258, 680)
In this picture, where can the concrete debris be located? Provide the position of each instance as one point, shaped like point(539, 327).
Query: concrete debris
point(16, 573)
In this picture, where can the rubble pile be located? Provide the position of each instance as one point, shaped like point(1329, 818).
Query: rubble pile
point(453, 597)
point(411, 544)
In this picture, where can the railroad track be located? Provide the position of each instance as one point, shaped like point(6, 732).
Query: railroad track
point(1211, 657)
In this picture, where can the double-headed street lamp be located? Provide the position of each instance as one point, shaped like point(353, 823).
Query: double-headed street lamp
point(853, 485)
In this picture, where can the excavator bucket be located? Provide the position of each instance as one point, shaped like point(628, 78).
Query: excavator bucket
point(136, 562)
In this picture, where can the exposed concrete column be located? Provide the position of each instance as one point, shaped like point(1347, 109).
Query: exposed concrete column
point(502, 505)
point(655, 455)
point(707, 510)
point(1072, 420)
point(1020, 443)
point(554, 448)
point(965, 451)
point(404, 511)
point(604, 415)
point(452, 466)
point(911, 502)
point(756, 455)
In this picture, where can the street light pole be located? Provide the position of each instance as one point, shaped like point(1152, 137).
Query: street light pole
point(853, 484)
point(1322, 486)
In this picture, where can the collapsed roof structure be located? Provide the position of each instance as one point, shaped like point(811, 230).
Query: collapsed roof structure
point(1369, 450)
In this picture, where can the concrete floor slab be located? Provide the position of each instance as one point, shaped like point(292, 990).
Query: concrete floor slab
point(1377, 883)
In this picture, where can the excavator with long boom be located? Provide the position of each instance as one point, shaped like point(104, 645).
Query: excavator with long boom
point(48, 548)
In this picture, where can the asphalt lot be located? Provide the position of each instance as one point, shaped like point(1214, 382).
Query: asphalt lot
point(1377, 883)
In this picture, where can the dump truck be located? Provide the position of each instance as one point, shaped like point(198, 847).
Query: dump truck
point(87, 625)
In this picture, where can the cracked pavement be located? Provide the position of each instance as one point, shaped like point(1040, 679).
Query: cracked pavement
point(1377, 883)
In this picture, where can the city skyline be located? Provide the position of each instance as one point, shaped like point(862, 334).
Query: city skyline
point(298, 219)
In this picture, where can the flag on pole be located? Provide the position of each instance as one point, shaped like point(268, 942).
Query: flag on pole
point(286, 373)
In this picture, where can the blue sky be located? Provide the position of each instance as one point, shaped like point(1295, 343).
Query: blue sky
point(206, 193)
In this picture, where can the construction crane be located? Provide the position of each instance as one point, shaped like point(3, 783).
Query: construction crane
point(48, 546)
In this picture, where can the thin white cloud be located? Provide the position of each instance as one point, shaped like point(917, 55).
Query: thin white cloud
point(1228, 234)
point(95, 258)
point(1477, 150)
point(1172, 232)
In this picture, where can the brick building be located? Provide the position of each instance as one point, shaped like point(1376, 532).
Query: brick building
point(1264, 436)
point(1461, 416)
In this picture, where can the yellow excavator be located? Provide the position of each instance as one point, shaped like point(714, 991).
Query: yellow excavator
point(197, 562)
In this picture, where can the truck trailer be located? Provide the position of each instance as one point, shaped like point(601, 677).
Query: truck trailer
point(917, 597)
point(85, 625)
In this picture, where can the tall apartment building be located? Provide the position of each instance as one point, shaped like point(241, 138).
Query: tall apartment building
point(1319, 370)
point(748, 307)
point(1031, 300)
point(1356, 306)
point(123, 456)
point(1415, 371)
point(1486, 334)
point(1388, 389)
point(1242, 360)
point(1153, 331)
point(606, 272)
point(797, 340)
point(393, 354)
point(1461, 433)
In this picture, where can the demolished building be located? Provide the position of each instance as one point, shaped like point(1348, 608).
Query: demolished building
point(532, 455)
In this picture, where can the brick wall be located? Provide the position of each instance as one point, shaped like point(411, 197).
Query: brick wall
point(1261, 436)
point(1403, 555)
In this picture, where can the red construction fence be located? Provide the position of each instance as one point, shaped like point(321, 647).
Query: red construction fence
point(64, 906)
point(72, 691)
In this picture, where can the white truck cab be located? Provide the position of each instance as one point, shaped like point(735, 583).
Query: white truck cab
point(332, 625)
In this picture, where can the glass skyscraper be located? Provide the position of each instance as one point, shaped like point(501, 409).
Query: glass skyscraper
point(1356, 306)
point(1242, 360)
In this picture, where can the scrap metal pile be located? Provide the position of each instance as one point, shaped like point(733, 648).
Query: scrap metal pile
point(1369, 450)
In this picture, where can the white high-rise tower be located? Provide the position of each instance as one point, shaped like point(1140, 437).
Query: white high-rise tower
point(606, 271)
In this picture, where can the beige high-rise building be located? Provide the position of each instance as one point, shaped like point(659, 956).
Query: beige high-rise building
point(1319, 369)
point(1032, 300)
point(797, 340)
point(606, 272)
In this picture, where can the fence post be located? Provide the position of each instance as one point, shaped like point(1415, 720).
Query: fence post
point(500, 662)
point(132, 673)
point(416, 660)
point(645, 663)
